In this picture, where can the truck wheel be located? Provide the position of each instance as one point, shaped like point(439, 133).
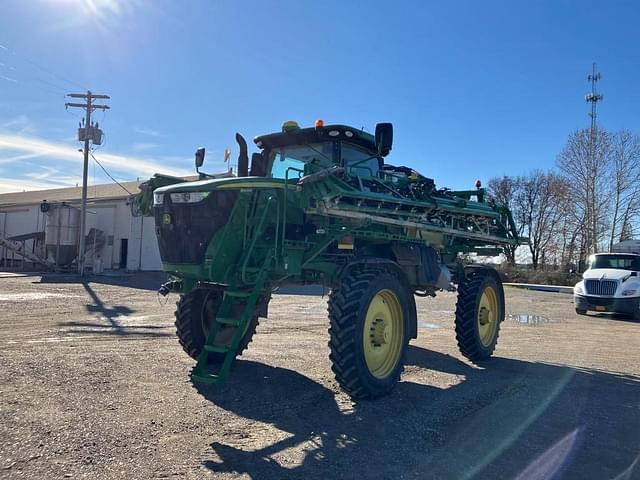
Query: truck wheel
point(369, 333)
point(580, 311)
point(194, 317)
point(479, 312)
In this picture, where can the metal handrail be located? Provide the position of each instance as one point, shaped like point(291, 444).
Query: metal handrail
point(256, 234)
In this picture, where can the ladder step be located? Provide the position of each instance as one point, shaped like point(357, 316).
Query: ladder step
point(234, 322)
point(237, 293)
point(233, 297)
point(206, 378)
point(216, 348)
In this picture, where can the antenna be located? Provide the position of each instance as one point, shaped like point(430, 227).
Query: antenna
point(593, 97)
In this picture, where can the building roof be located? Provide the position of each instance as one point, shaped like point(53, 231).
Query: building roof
point(105, 191)
point(108, 191)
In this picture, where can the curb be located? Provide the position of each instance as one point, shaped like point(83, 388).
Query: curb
point(542, 288)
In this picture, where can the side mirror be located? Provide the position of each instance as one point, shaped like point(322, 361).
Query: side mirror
point(199, 157)
point(384, 138)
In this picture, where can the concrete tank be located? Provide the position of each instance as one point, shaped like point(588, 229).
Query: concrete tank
point(62, 233)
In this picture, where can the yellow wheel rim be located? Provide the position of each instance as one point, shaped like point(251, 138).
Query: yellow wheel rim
point(383, 334)
point(488, 316)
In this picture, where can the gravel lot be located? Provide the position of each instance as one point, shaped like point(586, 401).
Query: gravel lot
point(93, 384)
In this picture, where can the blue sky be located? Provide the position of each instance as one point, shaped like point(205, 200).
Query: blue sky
point(475, 89)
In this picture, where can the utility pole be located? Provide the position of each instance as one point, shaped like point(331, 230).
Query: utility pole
point(593, 97)
point(89, 133)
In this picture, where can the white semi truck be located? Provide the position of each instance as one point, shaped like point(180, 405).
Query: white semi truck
point(612, 282)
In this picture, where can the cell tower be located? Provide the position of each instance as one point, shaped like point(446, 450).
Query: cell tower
point(594, 97)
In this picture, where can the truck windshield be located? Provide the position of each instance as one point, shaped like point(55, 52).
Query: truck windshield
point(292, 158)
point(622, 262)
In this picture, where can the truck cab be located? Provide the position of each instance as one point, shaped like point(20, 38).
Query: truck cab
point(610, 284)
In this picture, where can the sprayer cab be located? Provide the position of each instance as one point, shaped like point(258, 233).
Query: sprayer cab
point(296, 148)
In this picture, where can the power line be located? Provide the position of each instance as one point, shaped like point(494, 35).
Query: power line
point(21, 75)
point(59, 89)
point(40, 67)
point(41, 84)
point(108, 174)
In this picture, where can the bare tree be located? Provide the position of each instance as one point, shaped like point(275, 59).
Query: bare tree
point(539, 210)
point(591, 204)
point(625, 184)
point(571, 241)
point(585, 162)
point(503, 190)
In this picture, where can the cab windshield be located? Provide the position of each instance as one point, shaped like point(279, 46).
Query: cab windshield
point(289, 161)
point(622, 262)
point(360, 161)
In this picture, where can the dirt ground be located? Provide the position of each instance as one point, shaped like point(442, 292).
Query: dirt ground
point(93, 384)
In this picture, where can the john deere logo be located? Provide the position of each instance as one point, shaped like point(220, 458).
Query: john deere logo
point(166, 219)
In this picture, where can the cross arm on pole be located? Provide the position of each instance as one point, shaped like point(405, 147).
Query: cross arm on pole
point(86, 95)
point(84, 105)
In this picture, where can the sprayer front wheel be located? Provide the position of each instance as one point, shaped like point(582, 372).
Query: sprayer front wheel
point(369, 333)
point(479, 312)
point(195, 314)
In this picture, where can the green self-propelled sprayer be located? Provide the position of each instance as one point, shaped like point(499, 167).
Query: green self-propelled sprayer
point(321, 206)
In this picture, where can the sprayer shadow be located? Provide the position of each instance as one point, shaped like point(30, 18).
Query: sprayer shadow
point(139, 280)
point(497, 423)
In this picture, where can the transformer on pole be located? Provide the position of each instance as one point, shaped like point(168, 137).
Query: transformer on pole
point(87, 132)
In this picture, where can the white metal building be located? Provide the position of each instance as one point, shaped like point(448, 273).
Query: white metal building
point(130, 241)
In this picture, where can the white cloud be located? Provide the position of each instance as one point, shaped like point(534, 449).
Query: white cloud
point(147, 131)
point(67, 153)
point(20, 124)
point(52, 175)
point(8, 79)
point(41, 178)
point(17, 147)
point(8, 185)
point(17, 158)
point(142, 146)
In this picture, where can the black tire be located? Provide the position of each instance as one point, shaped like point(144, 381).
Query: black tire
point(580, 311)
point(194, 312)
point(469, 316)
point(348, 307)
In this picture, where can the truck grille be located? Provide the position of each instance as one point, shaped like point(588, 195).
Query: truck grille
point(601, 287)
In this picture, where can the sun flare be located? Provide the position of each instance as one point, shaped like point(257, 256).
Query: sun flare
point(98, 8)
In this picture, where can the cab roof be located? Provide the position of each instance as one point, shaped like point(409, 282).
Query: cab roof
point(327, 133)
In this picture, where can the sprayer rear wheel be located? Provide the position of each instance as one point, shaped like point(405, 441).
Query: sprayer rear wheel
point(369, 314)
point(194, 315)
